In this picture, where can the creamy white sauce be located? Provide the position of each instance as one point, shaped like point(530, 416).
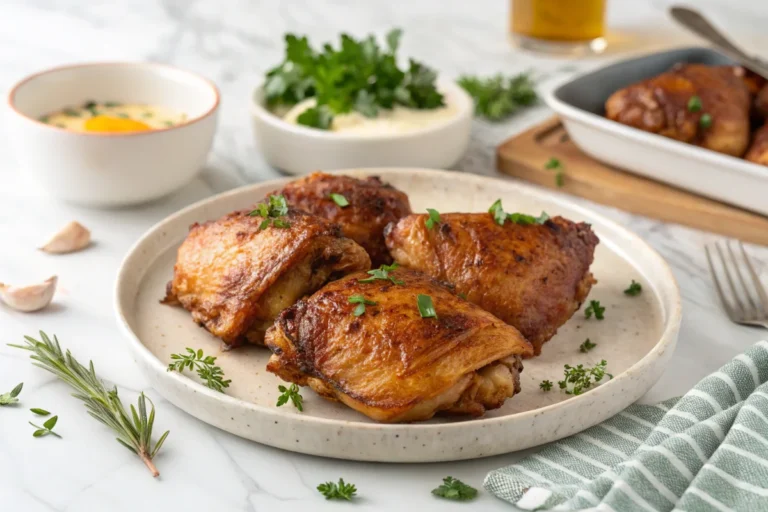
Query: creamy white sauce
point(389, 121)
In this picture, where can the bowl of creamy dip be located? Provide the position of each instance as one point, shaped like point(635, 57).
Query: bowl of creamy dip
point(111, 134)
point(397, 137)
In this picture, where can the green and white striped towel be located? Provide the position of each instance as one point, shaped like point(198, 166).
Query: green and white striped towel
point(707, 450)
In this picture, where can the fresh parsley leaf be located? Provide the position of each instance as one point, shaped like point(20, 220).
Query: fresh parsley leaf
point(497, 98)
point(545, 385)
point(316, 117)
point(587, 346)
point(694, 104)
point(500, 216)
point(463, 295)
point(433, 219)
point(40, 412)
point(596, 308)
point(361, 302)
point(271, 211)
point(205, 366)
point(340, 491)
point(705, 121)
point(556, 165)
point(453, 489)
point(579, 378)
point(426, 307)
point(10, 397)
point(47, 428)
point(340, 200)
point(553, 163)
point(634, 289)
point(290, 393)
point(382, 273)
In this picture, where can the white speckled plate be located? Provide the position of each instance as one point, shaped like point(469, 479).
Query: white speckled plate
point(637, 339)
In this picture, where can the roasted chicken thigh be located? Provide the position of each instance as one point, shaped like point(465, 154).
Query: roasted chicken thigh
point(372, 205)
point(387, 361)
point(235, 274)
point(534, 277)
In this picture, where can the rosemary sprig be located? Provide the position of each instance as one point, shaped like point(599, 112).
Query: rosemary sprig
point(134, 431)
point(204, 365)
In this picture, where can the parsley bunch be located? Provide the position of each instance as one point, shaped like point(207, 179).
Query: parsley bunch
point(454, 489)
point(359, 76)
point(340, 491)
point(498, 97)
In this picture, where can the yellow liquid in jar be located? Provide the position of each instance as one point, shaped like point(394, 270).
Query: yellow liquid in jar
point(559, 20)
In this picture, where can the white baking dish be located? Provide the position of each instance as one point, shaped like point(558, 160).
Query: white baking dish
point(580, 105)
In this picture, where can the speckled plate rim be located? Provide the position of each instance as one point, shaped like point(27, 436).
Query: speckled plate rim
point(179, 389)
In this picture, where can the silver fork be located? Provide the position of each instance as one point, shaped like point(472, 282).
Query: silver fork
point(744, 307)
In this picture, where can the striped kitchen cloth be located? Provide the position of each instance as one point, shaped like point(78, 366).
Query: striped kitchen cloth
point(707, 450)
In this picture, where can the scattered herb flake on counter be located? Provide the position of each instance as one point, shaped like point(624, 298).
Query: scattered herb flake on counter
point(10, 397)
point(359, 76)
point(70, 112)
point(500, 216)
point(578, 378)
point(382, 273)
point(340, 491)
point(554, 164)
point(426, 307)
point(694, 104)
point(40, 412)
point(705, 121)
point(587, 346)
point(46, 429)
point(361, 303)
point(433, 219)
point(271, 212)
point(290, 393)
point(453, 489)
point(205, 366)
point(596, 309)
point(545, 385)
point(497, 98)
point(339, 199)
point(634, 289)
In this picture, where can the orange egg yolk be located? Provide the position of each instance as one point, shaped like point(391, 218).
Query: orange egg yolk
point(109, 124)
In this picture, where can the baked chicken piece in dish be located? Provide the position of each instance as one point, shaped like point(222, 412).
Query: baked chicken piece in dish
point(708, 106)
point(388, 362)
point(235, 274)
point(372, 204)
point(534, 276)
point(758, 151)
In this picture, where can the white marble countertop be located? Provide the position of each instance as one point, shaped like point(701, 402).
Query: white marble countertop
point(233, 42)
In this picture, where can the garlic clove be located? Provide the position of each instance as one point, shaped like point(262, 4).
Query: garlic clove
point(29, 298)
point(72, 237)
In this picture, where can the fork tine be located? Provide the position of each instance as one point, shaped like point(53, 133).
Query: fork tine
point(737, 270)
point(729, 278)
point(726, 305)
point(755, 280)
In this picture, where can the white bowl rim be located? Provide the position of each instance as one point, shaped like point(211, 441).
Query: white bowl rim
point(667, 338)
point(190, 74)
point(465, 106)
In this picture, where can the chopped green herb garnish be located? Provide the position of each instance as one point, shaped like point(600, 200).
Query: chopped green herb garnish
point(694, 104)
point(123, 116)
point(290, 393)
point(111, 104)
point(359, 76)
point(426, 308)
point(43, 119)
point(40, 412)
point(361, 302)
point(463, 295)
point(554, 164)
point(634, 289)
point(705, 121)
point(596, 308)
point(89, 105)
point(433, 219)
point(271, 211)
point(453, 489)
point(205, 366)
point(497, 97)
point(578, 378)
point(587, 346)
point(500, 216)
point(382, 273)
point(340, 200)
point(545, 385)
point(168, 123)
point(340, 491)
point(147, 115)
point(46, 429)
point(70, 112)
point(9, 398)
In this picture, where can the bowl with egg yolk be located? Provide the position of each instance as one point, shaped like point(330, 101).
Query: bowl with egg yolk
point(112, 134)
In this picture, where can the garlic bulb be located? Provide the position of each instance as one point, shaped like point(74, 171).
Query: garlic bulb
point(72, 237)
point(29, 298)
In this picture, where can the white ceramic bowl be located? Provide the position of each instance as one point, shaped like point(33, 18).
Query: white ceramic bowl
point(111, 169)
point(298, 149)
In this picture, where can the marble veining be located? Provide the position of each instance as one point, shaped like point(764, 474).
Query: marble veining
point(233, 42)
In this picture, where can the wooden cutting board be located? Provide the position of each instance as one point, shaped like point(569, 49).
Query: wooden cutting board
point(525, 155)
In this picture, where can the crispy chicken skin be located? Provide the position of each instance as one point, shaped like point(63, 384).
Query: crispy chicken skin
point(660, 105)
point(235, 277)
point(372, 205)
point(534, 277)
point(390, 363)
point(758, 151)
